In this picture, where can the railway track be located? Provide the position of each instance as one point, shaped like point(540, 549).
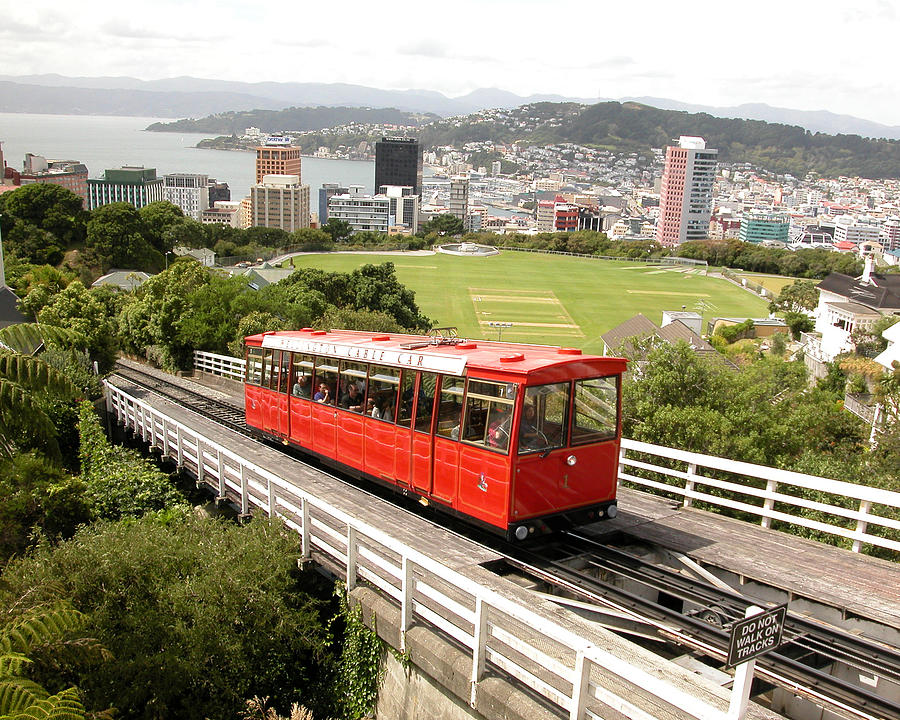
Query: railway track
point(686, 612)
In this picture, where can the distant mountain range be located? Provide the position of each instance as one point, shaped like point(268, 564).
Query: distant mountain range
point(195, 97)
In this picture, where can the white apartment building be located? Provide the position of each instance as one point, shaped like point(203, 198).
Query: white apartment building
point(280, 201)
point(223, 212)
point(856, 230)
point(187, 191)
point(546, 215)
point(890, 234)
point(360, 211)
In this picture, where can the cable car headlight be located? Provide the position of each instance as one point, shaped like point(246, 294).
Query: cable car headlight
point(521, 532)
point(571, 460)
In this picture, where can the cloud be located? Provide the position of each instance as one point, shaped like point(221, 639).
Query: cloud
point(127, 29)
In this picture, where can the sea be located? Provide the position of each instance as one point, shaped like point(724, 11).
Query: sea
point(102, 142)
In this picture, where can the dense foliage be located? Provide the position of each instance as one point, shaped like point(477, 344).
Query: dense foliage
point(199, 615)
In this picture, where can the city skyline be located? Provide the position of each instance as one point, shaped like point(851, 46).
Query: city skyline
point(791, 55)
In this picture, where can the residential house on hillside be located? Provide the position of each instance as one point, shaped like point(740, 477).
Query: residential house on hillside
point(621, 340)
point(847, 304)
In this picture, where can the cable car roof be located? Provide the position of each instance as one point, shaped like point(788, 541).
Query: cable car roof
point(452, 356)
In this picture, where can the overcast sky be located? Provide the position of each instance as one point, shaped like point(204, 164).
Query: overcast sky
point(789, 53)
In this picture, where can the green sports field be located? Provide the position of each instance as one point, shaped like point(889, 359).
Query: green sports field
point(550, 299)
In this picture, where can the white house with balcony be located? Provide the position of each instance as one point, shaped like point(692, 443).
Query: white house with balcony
point(847, 304)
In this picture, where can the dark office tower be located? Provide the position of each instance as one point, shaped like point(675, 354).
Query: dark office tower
point(398, 161)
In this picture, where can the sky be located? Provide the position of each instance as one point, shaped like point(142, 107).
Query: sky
point(787, 53)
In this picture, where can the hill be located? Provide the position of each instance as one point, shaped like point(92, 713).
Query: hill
point(292, 119)
point(633, 126)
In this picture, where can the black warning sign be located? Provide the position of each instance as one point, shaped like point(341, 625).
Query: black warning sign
point(755, 635)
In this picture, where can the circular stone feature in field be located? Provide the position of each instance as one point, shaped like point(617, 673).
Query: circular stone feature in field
point(468, 248)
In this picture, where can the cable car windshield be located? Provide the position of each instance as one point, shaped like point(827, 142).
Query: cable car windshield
point(544, 418)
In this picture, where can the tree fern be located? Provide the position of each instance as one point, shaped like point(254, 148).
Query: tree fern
point(18, 693)
point(65, 705)
point(34, 374)
point(27, 338)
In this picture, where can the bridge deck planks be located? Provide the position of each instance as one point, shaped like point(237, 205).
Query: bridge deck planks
point(858, 584)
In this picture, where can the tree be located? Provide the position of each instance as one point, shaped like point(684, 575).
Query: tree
point(798, 322)
point(151, 318)
point(40, 499)
point(116, 233)
point(166, 227)
point(800, 295)
point(444, 225)
point(339, 230)
point(52, 208)
point(199, 613)
point(84, 311)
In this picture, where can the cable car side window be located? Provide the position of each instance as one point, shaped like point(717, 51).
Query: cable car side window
point(285, 373)
point(326, 382)
point(353, 386)
point(381, 400)
point(266, 368)
point(450, 409)
point(254, 365)
point(425, 401)
point(407, 388)
point(545, 413)
point(596, 409)
point(489, 410)
point(302, 376)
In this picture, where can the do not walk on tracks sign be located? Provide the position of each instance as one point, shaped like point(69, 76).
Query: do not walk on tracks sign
point(759, 632)
point(755, 635)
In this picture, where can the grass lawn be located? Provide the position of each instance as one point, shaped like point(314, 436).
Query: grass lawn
point(773, 283)
point(549, 299)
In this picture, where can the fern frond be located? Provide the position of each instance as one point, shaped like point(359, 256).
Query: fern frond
point(17, 694)
point(41, 626)
point(12, 663)
point(19, 410)
point(26, 338)
point(32, 373)
point(65, 705)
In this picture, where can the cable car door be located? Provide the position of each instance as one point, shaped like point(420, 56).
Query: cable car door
point(422, 455)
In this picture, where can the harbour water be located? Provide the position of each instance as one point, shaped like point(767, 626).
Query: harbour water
point(102, 142)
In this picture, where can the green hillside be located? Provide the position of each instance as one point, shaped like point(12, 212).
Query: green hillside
point(635, 127)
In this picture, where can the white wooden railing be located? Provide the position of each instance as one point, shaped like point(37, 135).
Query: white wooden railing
point(221, 365)
point(550, 659)
point(781, 486)
point(691, 484)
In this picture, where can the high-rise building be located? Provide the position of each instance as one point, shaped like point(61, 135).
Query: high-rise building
point(325, 193)
point(398, 161)
point(280, 201)
point(189, 192)
point(277, 157)
point(136, 185)
point(686, 192)
point(459, 196)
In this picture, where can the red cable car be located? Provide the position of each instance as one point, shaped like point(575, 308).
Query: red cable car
point(519, 439)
